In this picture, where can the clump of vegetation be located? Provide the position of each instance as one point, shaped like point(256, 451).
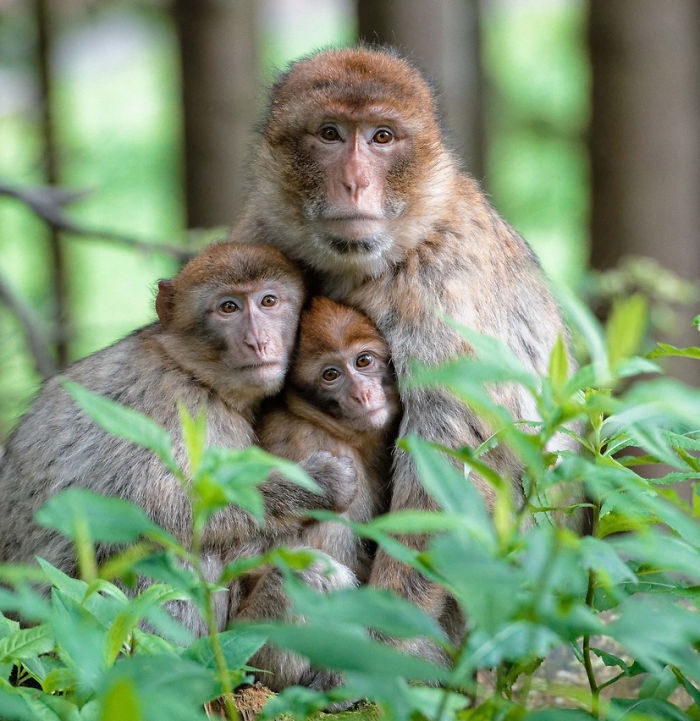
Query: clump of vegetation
point(622, 601)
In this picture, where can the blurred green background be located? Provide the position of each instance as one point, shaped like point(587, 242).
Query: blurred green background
point(119, 128)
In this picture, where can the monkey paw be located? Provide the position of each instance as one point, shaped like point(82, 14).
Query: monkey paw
point(337, 477)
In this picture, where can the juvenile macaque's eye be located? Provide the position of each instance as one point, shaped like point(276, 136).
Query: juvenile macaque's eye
point(383, 136)
point(228, 306)
point(269, 301)
point(363, 360)
point(330, 374)
point(329, 133)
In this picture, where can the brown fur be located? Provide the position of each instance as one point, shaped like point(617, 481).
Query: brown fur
point(353, 179)
point(225, 363)
point(352, 413)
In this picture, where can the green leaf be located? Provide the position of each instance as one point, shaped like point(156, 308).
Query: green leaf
point(517, 640)
point(121, 701)
point(366, 606)
point(26, 642)
point(30, 704)
point(344, 648)
point(108, 519)
point(664, 350)
point(467, 565)
point(125, 423)
point(237, 645)
point(162, 688)
point(626, 327)
point(559, 365)
point(135, 610)
point(409, 522)
point(583, 320)
point(81, 640)
point(194, 435)
point(59, 680)
point(447, 485)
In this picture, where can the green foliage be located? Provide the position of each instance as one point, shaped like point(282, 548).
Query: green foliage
point(622, 601)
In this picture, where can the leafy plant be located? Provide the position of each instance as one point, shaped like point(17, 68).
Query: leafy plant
point(622, 601)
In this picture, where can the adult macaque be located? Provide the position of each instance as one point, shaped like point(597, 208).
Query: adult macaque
point(226, 326)
point(339, 397)
point(353, 179)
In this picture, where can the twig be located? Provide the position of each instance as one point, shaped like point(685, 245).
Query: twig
point(48, 202)
point(36, 339)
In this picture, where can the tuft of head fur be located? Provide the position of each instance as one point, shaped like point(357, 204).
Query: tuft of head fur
point(224, 265)
point(326, 326)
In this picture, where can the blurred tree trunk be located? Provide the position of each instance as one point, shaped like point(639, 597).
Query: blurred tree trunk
point(59, 267)
point(442, 37)
point(645, 140)
point(220, 89)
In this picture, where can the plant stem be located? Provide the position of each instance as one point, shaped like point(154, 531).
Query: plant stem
point(210, 618)
point(587, 661)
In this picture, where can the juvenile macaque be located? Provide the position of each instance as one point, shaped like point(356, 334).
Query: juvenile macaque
point(339, 397)
point(353, 179)
point(226, 326)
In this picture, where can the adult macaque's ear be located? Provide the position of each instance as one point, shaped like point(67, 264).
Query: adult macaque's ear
point(164, 301)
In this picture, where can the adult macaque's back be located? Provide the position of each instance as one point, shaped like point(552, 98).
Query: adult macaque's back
point(354, 180)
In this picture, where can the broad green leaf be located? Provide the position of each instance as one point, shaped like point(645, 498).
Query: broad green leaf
point(447, 484)
point(30, 704)
point(413, 522)
point(126, 423)
point(165, 688)
point(120, 701)
point(583, 320)
point(81, 640)
point(237, 645)
point(645, 709)
point(60, 680)
point(74, 588)
point(488, 588)
point(670, 635)
point(129, 617)
point(559, 714)
point(26, 642)
point(343, 648)
point(108, 519)
point(367, 607)
point(514, 641)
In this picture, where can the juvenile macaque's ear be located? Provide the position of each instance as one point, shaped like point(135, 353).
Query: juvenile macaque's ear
point(164, 301)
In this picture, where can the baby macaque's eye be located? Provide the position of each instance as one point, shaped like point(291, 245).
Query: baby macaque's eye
point(330, 374)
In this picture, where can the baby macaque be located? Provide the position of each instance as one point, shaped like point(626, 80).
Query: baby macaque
point(340, 397)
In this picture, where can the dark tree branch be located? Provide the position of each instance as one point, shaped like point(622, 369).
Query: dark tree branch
point(47, 202)
point(36, 338)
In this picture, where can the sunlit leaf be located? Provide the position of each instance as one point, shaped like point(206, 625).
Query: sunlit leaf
point(626, 327)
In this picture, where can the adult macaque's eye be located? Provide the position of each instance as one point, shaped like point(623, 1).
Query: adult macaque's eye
point(228, 306)
point(329, 133)
point(383, 136)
